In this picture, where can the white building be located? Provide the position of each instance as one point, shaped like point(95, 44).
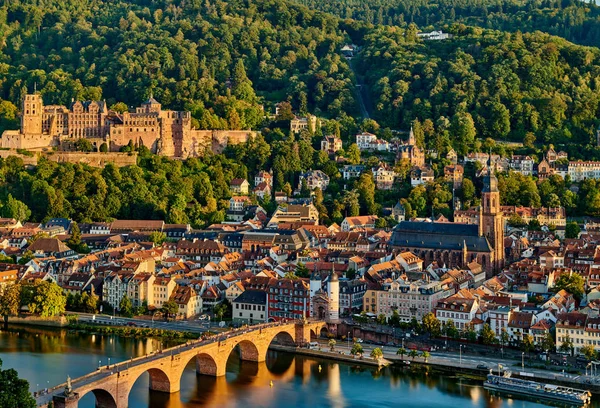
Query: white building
point(364, 140)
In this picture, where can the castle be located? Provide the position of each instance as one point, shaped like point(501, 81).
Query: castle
point(164, 132)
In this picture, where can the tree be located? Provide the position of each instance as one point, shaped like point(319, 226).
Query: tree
point(74, 241)
point(413, 354)
point(394, 319)
point(527, 343)
point(14, 392)
point(89, 302)
point(83, 145)
point(119, 107)
point(353, 154)
point(357, 349)
point(170, 309)
point(302, 271)
point(432, 325)
point(548, 343)
point(376, 353)
point(10, 301)
point(487, 334)
point(401, 352)
point(15, 209)
point(103, 148)
point(589, 352)
point(47, 299)
point(572, 283)
point(450, 329)
point(425, 355)
point(331, 344)
point(381, 319)
point(157, 237)
point(504, 337)
point(125, 307)
point(572, 230)
point(567, 344)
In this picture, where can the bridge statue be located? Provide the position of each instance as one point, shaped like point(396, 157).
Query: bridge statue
point(68, 387)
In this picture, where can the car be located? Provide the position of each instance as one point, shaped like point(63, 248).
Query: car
point(359, 340)
point(482, 366)
point(132, 324)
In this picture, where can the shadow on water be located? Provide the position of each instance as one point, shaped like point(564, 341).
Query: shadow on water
point(43, 356)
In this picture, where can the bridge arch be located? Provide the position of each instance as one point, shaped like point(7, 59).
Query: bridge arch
point(206, 365)
point(248, 350)
point(104, 399)
point(285, 338)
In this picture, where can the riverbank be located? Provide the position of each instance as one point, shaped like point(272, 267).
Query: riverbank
point(135, 332)
point(331, 355)
point(57, 321)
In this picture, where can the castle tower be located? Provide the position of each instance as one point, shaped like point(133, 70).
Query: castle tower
point(32, 115)
point(491, 222)
point(333, 293)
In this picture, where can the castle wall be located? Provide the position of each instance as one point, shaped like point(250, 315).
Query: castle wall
point(13, 139)
point(94, 159)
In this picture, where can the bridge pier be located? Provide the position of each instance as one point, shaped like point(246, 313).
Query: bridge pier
point(62, 401)
point(159, 381)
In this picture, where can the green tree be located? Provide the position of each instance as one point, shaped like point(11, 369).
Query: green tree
point(432, 325)
point(487, 334)
point(16, 209)
point(450, 329)
point(572, 283)
point(83, 145)
point(103, 148)
point(331, 343)
point(527, 343)
point(302, 271)
point(413, 354)
point(353, 154)
point(125, 307)
point(567, 344)
point(357, 349)
point(425, 355)
point(157, 237)
point(572, 230)
point(10, 300)
point(14, 392)
point(401, 352)
point(74, 241)
point(589, 352)
point(504, 337)
point(89, 302)
point(170, 309)
point(47, 299)
point(548, 343)
point(381, 319)
point(376, 353)
point(119, 107)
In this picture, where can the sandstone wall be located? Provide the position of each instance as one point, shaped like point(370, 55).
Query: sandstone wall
point(94, 159)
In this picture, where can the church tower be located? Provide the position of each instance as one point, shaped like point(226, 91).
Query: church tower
point(333, 293)
point(491, 222)
point(411, 138)
point(32, 115)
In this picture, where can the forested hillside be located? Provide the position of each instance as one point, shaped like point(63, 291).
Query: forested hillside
point(577, 21)
point(193, 55)
point(483, 83)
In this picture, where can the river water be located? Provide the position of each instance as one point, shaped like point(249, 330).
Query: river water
point(46, 357)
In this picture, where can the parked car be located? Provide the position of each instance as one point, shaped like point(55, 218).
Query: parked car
point(132, 324)
point(482, 366)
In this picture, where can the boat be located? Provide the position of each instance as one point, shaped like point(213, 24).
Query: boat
point(515, 386)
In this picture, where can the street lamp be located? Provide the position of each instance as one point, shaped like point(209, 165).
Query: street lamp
point(99, 364)
point(108, 362)
point(348, 341)
point(523, 360)
point(460, 354)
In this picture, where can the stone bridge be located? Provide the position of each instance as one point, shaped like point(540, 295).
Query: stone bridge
point(111, 385)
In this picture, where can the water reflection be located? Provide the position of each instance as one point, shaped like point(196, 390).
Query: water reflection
point(49, 355)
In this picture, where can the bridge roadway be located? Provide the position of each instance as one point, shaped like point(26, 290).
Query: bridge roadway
point(111, 384)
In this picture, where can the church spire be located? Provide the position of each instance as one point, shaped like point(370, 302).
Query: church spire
point(411, 137)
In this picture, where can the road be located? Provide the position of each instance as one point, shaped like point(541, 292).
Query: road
point(470, 361)
point(359, 90)
point(194, 326)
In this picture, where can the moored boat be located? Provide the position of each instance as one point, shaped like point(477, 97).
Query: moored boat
point(557, 393)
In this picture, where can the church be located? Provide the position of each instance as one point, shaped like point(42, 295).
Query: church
point(454, 244)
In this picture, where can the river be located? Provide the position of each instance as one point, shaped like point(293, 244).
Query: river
point(46, 357)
